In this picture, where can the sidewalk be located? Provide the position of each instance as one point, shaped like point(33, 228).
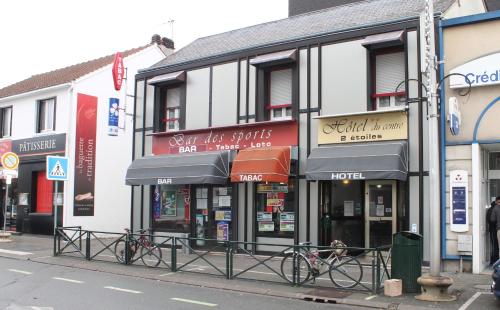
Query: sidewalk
point(470, 289)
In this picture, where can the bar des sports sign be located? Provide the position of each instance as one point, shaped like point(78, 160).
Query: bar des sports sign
point(263, 134)
point(118, 71)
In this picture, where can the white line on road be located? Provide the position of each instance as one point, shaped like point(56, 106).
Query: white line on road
point(195, 302)
point(14, 252)
point(122, 290)
point(68, 280)
point(370, 297)
point(166, 274)
point(20, 271)
point(471, 300)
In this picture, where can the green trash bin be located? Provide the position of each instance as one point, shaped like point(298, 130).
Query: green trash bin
point(406, 262)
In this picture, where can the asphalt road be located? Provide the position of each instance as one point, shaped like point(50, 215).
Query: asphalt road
point(30, 285)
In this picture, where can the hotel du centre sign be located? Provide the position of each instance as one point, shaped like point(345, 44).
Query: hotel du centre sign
point(366, 127)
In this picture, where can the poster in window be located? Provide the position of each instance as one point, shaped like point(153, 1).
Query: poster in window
point(156, 203)
point(276, 200)
point(348, 208)
point(287, 216)
point(287, 226)
point(223, 215)
point(264, 216)
point(201, 204)
point(200, 229)
point(224, 201)
point(168, 203)
point(266, 226)
point(223, 231)
point(222, 191)
point(271, 188)
point(380, 210)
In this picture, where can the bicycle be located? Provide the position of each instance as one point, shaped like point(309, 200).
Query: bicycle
point(345, 271)
point(150, 252)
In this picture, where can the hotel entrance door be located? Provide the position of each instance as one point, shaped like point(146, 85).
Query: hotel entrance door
point(380, 212)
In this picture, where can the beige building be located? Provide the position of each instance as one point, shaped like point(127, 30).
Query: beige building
point(471, 135)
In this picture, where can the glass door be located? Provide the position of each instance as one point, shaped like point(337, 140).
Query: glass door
point(380, 212)
point(202, 220)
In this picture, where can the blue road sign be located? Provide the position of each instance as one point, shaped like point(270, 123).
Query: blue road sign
point(57, 168)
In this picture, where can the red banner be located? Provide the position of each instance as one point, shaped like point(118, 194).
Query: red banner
point(85, 143)
point(263, 134)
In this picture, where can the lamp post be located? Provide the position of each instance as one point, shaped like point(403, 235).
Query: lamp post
point(434, 286)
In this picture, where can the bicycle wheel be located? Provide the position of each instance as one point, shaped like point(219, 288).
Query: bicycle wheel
point(151, 255)
point(302, 265)
point(346, 271)
point(120, 247)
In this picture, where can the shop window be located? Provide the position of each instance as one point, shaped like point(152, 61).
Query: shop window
point(171, 208)
point(275, 209)
point(388, 67)
point(280, 94)
point(171, 108)
point(46, 115)
point(6, 121)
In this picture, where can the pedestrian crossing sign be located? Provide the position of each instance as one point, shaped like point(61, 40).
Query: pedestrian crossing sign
point(57, 168)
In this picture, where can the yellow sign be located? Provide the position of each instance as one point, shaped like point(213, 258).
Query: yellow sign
point(367, 127)
point(10, 160)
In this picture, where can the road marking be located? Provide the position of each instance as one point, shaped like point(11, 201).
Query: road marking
point(370, 297)
point(14, 252)
point(166, 274)
point(471, 300)
point(41, 308)
point(122, 290)
point(20, 271)
point(68, 280)
point(195, 302)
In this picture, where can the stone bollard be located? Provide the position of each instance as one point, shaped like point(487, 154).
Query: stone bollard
point(5, 237)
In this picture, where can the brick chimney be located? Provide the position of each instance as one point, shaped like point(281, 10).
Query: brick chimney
point(168, 43)
point(156, 39)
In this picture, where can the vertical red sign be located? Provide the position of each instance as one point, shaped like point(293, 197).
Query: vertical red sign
point(85, 144)
point(118, 71)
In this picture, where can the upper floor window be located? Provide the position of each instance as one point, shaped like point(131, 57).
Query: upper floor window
point(6, 121)
point(280, 94)
point(171, 108)
point(46, 115)
point(389, 69)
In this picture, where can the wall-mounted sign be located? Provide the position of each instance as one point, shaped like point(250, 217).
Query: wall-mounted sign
point(454, 116)
point(85, 147)
point(481, 71)
point(118, 71)
point(113, 116)
point(263, 134)
point(459, 188)
point(43, 145)
point(363, 128)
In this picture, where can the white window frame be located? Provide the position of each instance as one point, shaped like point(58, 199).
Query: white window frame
point(9, 122)
point(177, 111)
point(49, 118)
point(284, 107)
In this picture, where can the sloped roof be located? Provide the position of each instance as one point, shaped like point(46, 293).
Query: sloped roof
point(353, 15)
point(63, 75)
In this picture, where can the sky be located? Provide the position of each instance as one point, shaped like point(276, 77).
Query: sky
point(39, 36)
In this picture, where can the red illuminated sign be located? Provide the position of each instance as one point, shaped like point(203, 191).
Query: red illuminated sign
point(263, 134)
point(118, 71)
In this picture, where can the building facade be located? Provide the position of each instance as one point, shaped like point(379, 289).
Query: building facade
point(305, 133)
point(470, 143)
point(65, 112)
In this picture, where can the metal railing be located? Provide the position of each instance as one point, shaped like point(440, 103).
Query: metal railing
point(360, 269)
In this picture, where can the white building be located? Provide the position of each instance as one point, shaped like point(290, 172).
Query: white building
point(46, 113)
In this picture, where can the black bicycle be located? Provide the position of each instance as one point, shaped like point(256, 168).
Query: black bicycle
point(149, 251)
point(345, 271)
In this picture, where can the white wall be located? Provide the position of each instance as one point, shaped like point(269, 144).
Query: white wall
point(344, 78)
point(197, 94)
point(113, 153)
point(224, 94)
point(24, 112)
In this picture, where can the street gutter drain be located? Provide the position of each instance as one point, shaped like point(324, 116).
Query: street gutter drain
point(319, 299)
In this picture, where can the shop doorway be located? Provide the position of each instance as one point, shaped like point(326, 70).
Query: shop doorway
point(380, 212)
point(213, 214)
